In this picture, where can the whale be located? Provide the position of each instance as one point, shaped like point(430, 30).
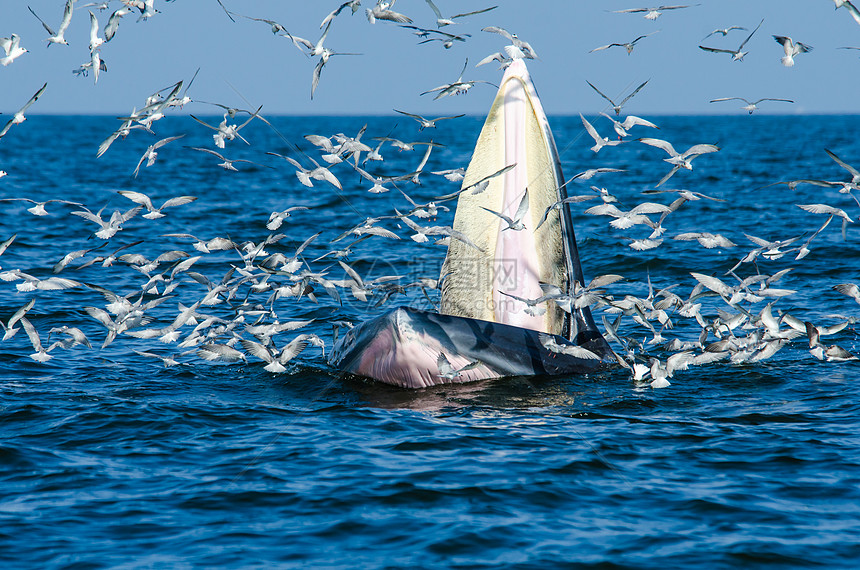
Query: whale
point(488, 325)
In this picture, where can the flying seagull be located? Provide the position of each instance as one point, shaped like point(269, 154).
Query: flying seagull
point(791, 49)
point(628, 45)
point(738, 54)
point(750, 105)
point(651, 13)
point(617, 107)
point(57, 37)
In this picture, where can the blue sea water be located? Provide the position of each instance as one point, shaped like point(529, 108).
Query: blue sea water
point(109, 459)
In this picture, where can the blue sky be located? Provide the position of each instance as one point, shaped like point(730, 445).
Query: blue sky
point(244, 61)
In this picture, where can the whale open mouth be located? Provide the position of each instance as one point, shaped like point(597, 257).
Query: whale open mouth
point(494, 282)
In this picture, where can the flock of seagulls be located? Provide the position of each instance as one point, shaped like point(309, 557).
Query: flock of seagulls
point(238, 316)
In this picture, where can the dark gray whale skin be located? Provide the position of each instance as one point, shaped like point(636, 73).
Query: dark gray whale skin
point(401, 347)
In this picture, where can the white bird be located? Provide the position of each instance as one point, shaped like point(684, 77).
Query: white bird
point(275, 359)
point(11, 46)
point(383, 11)
point(599, 141)
point(113, 23)
point(617, 106)
point(227, 132)
point(832, 353)
point(442, 21)
point(855, 13)
point(9, 328)
point(550, 343)
point(18, 117)
point(354, 5)
point(427, 123)
point(113, 225)
point(32, 283)
point(38, 209)
point(724, 31)
point(627, 45)
point(650, 13)
point(153, 212)
point(621, 127)
point(738, 54)
point(707, 239)
point(305, 174)
point(227, 163)
point(447, 370)
point(624, 220)
point(750, 105)
point(95, 40)
point(521, 49)
point(58, 36)
point(456, 88)
point(150, 155)
point(791, 49)
point(41, 355)
point(679, 160)
point(515, 223)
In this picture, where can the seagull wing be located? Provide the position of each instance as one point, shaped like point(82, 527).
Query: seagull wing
point(635, 91)
point(740, 47)
point(523, 207)
point(660, 143)
point(717, 50)
point(843, 164)
point(44, 25)
point(138, 198)
point(591, 130)
point(611, 102)
point(732, 99)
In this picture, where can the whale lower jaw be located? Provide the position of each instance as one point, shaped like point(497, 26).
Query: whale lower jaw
point(402, 348)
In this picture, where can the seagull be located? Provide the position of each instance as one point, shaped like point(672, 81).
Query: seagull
point(624, 220)
point(225, 132)
point(617, 107)
point(354, 5)
point(11, 46)
point(150, 155)
point(421, 232)
point(440, 21)
point(750, 105)
point(275, 359)
point(557, 205)
point(791, 49)
point(447, 371)
point(113, 23)
point(9, 328)
point(228, 163)
point(855, 13)
point(679, 160)
point(832, 353)
point(95, 40)
point(57, 37)
point(324, 54)
point(621, 127)
point(599, 141)
point(382, 11)
point(19, 117)
point(628, 45)
point(519, 49)
point(277, 218)
point(113, 225)
point(738, 54)
point(515, 223)
point(550, 343)
point(850, 289)
point(427, 123)
point(724, 31)
point(39, 207)
point(456, 88)
point(650, 13)
point(707, 239)
point(317, 173)
point(153, 212)
point(41, 355)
